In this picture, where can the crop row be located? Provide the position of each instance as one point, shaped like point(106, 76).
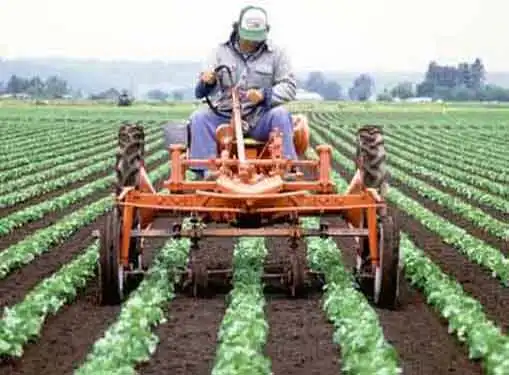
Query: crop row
point(473, 214)
point(34, 144)
point(11, 199)
point(53, 159)
point(38, 149)
point(42, 240)
point(59, 169)
point(476, 250)
point(30, 213)
point(462, 144)
point(447, 155)
point(464, 314)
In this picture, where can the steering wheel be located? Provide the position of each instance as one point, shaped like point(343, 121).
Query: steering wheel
point(214, 108)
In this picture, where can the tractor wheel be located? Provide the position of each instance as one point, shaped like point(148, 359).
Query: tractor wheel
point(111, 276)
point(127, 132)
point(371, 158)
point(387, 276)
point(131, 148)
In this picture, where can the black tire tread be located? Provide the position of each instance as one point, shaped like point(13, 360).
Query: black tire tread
point(371, 156)
point(390, 253)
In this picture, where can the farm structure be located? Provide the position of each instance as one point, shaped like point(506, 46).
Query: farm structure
point(448, 190)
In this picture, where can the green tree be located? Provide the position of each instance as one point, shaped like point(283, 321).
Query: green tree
point(16, 85)
point(385, 96)
point(157, 94)
point(177, 95)
point(56, 87)
point(328, 89)
point(36, 87)
point(362, 88)
point(403, 90)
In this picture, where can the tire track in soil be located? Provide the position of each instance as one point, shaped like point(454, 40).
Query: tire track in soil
point(188, 340)
point(474, 279)
point(300, 338)
point(68, 336)
point(417, 332)
point(18, 283)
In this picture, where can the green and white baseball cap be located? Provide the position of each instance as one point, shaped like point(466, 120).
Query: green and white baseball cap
point(253, 24)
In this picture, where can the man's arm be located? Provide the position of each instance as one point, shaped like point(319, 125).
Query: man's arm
point(203, 89)
point(285, 85)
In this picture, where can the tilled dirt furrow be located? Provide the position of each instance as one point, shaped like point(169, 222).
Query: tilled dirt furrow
point(497, 214)
point(17, 284)
point(417, 333)
point(446, 213)
point(68, 336)
point(188, 339)
point(454, 218)
point(53, 194)
point(51, 218)
point(65, 338)
point(300, 337)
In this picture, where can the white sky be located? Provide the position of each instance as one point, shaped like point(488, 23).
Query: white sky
point(394, 35)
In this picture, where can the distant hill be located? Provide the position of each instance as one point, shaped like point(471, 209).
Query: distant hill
point(139, 76)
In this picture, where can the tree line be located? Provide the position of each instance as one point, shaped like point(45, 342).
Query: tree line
point(464, 82)
point(52, 87)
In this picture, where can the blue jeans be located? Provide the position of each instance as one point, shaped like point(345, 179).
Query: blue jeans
point(205, 122)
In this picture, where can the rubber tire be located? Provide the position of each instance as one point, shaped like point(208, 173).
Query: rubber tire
point(371, 158)
point(389, 263)
point(110, 290)
point(129, 156)
point(130, 153)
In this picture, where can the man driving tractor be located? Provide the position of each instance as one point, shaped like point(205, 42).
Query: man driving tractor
point(264, 74)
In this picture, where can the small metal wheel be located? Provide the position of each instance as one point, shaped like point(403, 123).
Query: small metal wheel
point(296, 275)
point(111, 272)
point(381, 284)
point(387, 275)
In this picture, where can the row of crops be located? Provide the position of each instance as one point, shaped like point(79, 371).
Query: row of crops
point(449, 179)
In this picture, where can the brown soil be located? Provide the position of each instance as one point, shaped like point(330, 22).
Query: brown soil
point(300, 337)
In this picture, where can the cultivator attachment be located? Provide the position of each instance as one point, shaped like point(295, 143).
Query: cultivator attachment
point(251, 196)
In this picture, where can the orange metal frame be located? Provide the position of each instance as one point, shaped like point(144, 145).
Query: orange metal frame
point(289, 199)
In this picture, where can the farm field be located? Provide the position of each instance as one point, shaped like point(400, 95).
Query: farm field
point(449, 189)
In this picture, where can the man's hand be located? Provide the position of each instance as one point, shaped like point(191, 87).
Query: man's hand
point(254, 96)
point(208, 77)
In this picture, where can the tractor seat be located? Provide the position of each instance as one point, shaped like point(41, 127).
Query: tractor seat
point(252, 142)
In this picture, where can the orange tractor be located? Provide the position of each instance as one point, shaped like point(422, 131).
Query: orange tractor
point(250, 196)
